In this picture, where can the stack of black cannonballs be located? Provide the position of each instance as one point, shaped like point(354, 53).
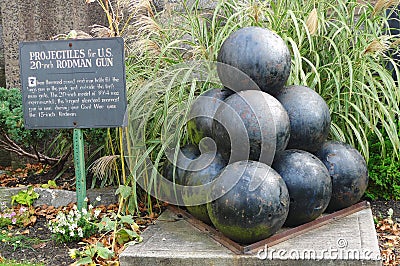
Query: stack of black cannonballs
point(276, 165)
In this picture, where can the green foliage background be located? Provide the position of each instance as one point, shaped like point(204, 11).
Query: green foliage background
point(338, 48)
point(51, 142)
point(11, 120)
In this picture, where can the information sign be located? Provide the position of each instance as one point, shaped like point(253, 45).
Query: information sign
point(77, 83)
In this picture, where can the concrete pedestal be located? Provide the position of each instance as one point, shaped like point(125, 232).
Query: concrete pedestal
point(172, 240)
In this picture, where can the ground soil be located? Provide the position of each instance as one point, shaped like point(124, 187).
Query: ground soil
point(32, 174)
point(49, 252)
point(46, 251)
point(380, 208)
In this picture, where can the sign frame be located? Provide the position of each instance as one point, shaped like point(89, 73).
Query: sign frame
point(73, 83)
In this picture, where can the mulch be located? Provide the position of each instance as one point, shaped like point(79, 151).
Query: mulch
point(36, 175)
point(44, 249)
point(48, 251)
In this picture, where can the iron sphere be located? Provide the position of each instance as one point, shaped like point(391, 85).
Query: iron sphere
point(198, 178)
point(309, 117)
point(246, 214)
point(259, 53)
point(252, 117)
point(308, 182)
point(203, 110)
point(174, 173)
point(348, 171)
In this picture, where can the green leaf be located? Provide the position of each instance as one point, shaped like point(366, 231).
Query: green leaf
point(127, 219)
point(90, 251)
point(106, 224)
point(125, 235)
point(104, 252)
point(124, 191)
point(132, 233)
point(25, 197)
point(84, 261)
point(52, 183)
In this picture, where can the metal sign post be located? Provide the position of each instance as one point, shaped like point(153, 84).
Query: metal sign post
point(80, 172)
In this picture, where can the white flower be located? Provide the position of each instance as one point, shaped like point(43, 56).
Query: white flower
point(80, 232)
point(84, 211)
point(86, 199)
point(90, 206)
point(61, 218)
point(71, 233)
point(98, 198)
point(96, 213)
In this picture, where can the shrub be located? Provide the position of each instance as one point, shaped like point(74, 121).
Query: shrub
point(49, 146)
point(13, 135)
point(384, 171)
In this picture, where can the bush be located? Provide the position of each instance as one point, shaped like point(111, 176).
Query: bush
point(384, 171)
point(12, 124)
point(50, 146)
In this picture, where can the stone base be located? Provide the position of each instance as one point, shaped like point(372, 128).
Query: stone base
point(59, 197)
point(172, 240)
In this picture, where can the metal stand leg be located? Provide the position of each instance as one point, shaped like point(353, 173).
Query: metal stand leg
point(80, 171)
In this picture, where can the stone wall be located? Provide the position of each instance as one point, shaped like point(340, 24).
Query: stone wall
point(40, 20)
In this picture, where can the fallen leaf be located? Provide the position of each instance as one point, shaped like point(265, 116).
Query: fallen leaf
point(385, 227)
point(40, 245)
point(32, 220)
point(91, 240)
point(391, 237)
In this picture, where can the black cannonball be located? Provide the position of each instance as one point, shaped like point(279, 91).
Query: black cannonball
point(259, 53)
point(254, 118)
point(203, 110)
point(348, 171)
point(201, 177)
point(255, 207)
point(309, 117)
point(174, 173)
point(308, 182)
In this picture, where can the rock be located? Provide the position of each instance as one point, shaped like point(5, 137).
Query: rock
point(59, 197)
